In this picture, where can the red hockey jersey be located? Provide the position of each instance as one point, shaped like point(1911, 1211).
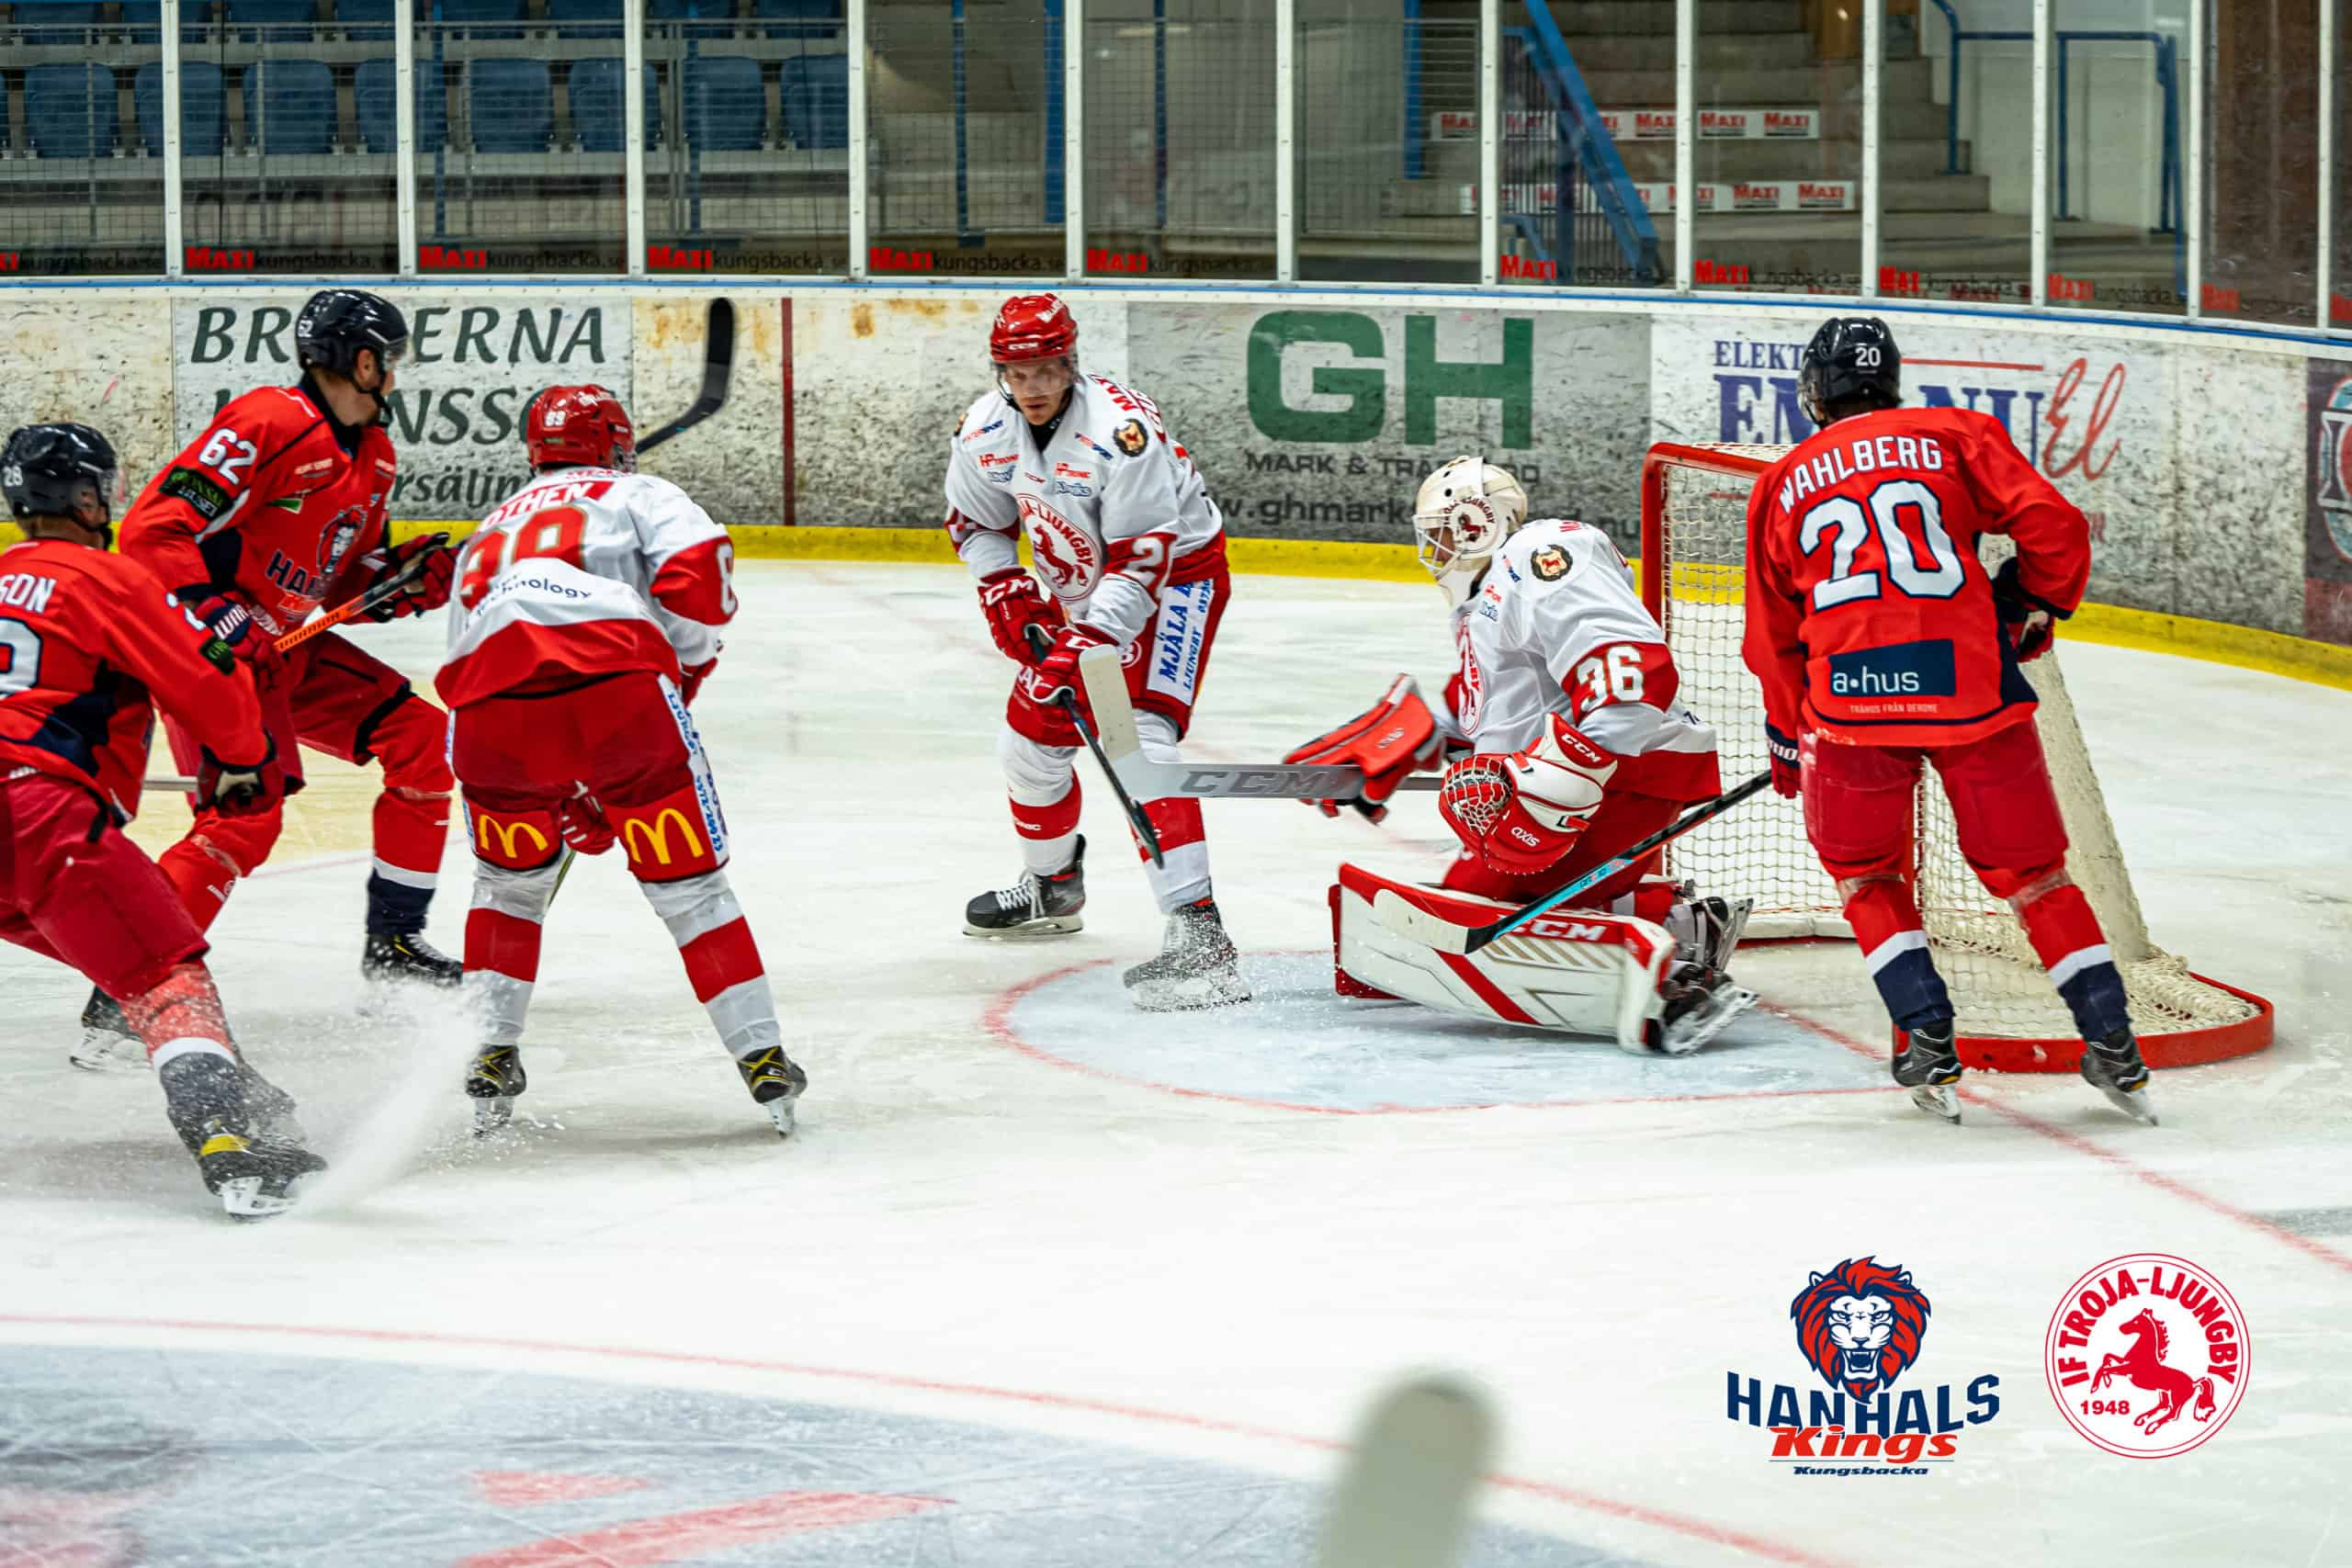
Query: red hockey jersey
point(1869, 616)
point(267, 505)
point(85, 637)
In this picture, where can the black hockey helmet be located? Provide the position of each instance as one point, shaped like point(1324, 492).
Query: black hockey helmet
point(45, 468)
point(1850, 360)
point(338, 323)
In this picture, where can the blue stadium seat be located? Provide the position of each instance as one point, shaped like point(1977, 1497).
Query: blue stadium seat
point(49, 23)
point(596, 93)
point(367, 21)
point(70, 111)
point(797, 18)
point(473, 16)
point(288, 21)
point(293, 101)
point(372, 95)
point(816, 100)
point(203, 108)
point(585, 19)
point(726, 108)
point(510, 104)
point(142, 20)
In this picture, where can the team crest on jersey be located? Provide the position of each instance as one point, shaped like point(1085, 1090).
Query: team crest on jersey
point(1063, 552)
point(1129, 438)
point(1550, 563)
point(998, 467)
point(337, 542)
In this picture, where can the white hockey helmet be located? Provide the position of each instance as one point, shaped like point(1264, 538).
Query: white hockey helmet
point(1463, 514)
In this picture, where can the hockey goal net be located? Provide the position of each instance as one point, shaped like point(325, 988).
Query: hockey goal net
point(1694, 529)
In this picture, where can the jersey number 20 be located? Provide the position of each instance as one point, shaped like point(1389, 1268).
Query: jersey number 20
point(551, 533)
point(1941, 579)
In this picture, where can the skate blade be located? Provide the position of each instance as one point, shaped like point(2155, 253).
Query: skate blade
point(1192, 995)
point(109, 1053)
point(2133, 1103)
point(1040, 929)
point(1938, 1100)
point(249, 1198)
point(780, 1112)
point(493, 1117)
point(1694, 1029)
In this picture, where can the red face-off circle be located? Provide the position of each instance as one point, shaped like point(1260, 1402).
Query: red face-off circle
point(2147, 1355)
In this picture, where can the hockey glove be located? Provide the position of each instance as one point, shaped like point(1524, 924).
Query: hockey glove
point(1788, 775)
point(2030, 621)
point(1523, 813)
point(1013, 602)
point(232, 631)
point(581, 823)
point(236, 789)
point(1396, 736)
point(1036, 710)
point(431, 589)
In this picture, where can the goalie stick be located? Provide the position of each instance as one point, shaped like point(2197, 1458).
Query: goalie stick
point(1404, 1498)
point(1042, 642)
point(1401, 915)
point(1114, 721)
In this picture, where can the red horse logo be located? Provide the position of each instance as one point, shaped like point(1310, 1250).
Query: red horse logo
point(2144, 1365)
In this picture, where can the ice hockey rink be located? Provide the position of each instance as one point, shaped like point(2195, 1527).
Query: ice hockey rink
point(1043, 1280)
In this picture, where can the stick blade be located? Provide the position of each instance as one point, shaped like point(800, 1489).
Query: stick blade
point(1406, 919)
point(1404, 1499)
point(718, 351)
point(1114, 715)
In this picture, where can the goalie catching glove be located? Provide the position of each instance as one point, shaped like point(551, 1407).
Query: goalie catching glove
point(1396, 737)
point(1522, 813)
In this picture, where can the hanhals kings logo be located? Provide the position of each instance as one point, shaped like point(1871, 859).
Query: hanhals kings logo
point(1861, 1325)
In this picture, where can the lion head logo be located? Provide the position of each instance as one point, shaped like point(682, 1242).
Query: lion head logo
point(1860, 1325)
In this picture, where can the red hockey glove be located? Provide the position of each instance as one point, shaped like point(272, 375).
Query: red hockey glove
point(1396, 737)
point(691, 678)
point(1524, 812)
point(581, 823)
point(2030, 621)
point(1037, 709)
point(1014, 602)
point(431, 589)
point(1787, 771)
point(237, 789)
point(230, 627)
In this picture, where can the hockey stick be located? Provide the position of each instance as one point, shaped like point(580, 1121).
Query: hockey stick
point(717, 364)
point(1114, 717)
point(1042, 642)
point(1401, 915)
point(1405, 1496)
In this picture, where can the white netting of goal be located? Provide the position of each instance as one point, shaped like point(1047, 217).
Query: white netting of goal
point(1694, 527)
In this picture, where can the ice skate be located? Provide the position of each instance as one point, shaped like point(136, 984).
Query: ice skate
point(410, 957)
point(253, 1175)
point(2113, 1067)
point(109, 1043)
point(776, 1083)
point(1929, 1066)
point(1196, 967)
point(1699, 1003)
point(493, 1083)
point(1035, 906)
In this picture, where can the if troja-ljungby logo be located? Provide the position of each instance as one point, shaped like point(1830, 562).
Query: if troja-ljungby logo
point(2146, 1355)
point(1861, 1325)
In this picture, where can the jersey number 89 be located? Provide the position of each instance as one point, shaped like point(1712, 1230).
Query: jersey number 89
point(552, 532)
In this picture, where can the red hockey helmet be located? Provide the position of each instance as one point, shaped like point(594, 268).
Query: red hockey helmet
point(581, 425)
point(1033, 326)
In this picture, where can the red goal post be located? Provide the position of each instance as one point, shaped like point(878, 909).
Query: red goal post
point(1694, 533)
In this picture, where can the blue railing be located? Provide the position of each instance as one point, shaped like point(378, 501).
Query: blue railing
point(1586, 153)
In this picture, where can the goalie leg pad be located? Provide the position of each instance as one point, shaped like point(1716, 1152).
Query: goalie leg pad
point(1575, 971)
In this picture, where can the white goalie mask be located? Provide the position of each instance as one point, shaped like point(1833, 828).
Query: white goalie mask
point(1463, 514)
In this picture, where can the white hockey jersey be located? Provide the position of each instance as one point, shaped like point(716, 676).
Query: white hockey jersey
point(586, 571)
point(1113, 508)
point(1557, 626)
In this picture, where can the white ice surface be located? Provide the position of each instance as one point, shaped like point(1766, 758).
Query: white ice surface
point(960, 1214)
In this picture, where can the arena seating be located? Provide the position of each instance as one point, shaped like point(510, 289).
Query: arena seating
point(797, 18)
point(376, 107)
point(594, 90)
point(287, 21)
point(725, 107)
point(70, 111)
point(292, 102)
point(477, 16)
point(203, 108)
point(365, 21)
point(510, 105)
point(49, 22)
point(142, 20)
point(585, 19)
point(816, 101)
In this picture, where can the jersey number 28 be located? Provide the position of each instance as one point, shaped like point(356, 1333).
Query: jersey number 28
point(551, 533)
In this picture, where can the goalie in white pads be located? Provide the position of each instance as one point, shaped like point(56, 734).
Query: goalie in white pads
point(1132, 552)
point(1566, 747)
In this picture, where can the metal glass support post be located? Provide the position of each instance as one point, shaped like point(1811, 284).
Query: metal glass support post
point(2193, 155)
point(633, 130)
point(1160, 123)
point(1056, 139)
point(1686, 135)
point(2327, 164)
point(1490, 145)
point(1414, 130)
point(2038, 254)
point(858, 192)
point(1874, 83)
point(405, 129)
point(1074, 140)
point(175, 231)
point(1286, 140)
